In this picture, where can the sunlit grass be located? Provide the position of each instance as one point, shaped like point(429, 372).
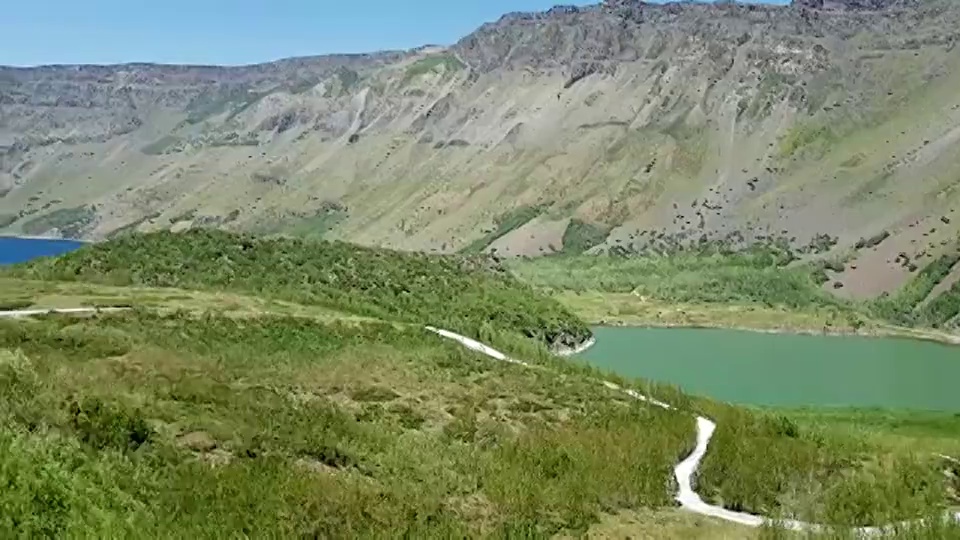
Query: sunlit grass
point(280, 390)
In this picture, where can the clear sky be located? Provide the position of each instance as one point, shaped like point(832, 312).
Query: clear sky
point(36, 32)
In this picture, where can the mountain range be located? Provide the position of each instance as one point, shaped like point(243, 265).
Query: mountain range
point(833, 125)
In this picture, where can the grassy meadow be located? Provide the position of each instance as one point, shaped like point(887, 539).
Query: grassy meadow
point(280, 388)
point(285, 427)
point(757, 288)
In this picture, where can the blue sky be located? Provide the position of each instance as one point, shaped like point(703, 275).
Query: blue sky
point(232, 31)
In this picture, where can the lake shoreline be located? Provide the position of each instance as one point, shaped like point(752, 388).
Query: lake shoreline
point(43, 238)
point(935, 336)
point(20, 249)
point(784, 369)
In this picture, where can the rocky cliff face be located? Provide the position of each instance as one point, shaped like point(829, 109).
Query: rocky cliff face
point(623, 125)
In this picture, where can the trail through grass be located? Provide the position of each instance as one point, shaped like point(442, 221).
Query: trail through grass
point(189, 416)
point(303, 403)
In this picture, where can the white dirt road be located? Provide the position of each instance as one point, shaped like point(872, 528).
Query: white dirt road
point(686, 470)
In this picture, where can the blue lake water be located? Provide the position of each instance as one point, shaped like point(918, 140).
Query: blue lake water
point(14, 250)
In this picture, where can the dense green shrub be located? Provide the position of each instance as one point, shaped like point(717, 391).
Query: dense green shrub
point(901, 307)
point(103, 425)
point(469, 295)
point(580, 236)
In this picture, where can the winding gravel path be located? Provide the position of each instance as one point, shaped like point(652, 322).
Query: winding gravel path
point(684, 471)
point(65, 311)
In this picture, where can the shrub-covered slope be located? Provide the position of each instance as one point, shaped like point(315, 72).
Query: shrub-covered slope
point(469, 295)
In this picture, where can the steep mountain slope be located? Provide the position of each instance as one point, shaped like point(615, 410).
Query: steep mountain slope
point(614, 123)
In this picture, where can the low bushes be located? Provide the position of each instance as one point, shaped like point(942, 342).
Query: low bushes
point(463, 294)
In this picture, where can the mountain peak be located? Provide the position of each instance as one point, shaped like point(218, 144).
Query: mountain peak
point(619, 124)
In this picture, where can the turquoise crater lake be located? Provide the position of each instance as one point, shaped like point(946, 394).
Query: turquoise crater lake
point(15, 250)
point(785, 370)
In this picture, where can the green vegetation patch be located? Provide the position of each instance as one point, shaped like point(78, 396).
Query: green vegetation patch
point(326, 219)
point(581, 236)
point(814, 474)
point(71, 222)
point(933, 431)
point(873, 241)
point(771, 90)
point(8, 219)
point(943, 308)
point(13, 304)
point(215, 427)
point(901, 307)
point(806, 136)
point(446, 62)
point(690, 145)
point(319, 225)
point(465, 295)
point(140, 424)
point(756, 276)
point(234, 98)
point(506, 224)
point(749, 277)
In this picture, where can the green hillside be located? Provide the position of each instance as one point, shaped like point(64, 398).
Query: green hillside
point(181, 418)
point(468, 295)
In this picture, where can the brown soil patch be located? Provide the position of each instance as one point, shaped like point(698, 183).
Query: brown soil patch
point(537, 237)
point(876, 270)
point(198, 441)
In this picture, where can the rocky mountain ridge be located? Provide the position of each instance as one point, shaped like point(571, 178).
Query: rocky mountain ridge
point(621, 125)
